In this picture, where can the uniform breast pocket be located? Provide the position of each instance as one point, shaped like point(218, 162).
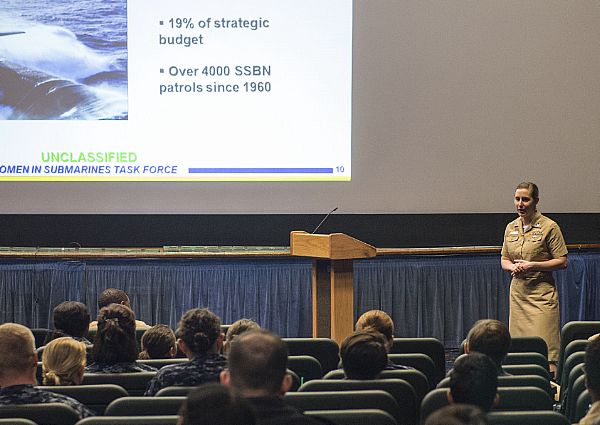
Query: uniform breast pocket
point(512, 237)
point(535, 248)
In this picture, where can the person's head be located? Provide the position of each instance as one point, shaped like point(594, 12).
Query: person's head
point(18, 359)
point(237, 328)
point(158, 342)
point(113, 296)
point(474, 380)
point(71, 318)
point(363, 355)
point(115, 339)
point(199, 333)
point(258, 365)
point(213, 403)
point(63, 362)
point(489, 337)
point(457, 414)
point(592, 368)
point(526, 199)
point(379, 321)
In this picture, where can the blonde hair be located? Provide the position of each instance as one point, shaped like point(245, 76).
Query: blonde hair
point(236, 329)
point(376, 320)
point(62, 361)
point(17, 347)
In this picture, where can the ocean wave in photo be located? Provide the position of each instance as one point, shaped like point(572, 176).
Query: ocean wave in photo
point(53, 69)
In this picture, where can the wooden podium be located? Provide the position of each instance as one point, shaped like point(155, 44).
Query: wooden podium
point(332, 279)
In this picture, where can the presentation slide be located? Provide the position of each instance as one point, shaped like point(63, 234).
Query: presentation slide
point(185, 90)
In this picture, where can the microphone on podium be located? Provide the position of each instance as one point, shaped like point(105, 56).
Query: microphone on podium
point(324, 218)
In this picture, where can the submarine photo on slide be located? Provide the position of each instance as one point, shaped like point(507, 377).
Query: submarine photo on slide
point(63, 60)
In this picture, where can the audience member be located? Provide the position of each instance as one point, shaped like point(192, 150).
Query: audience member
point(591, 367)
point(237, 328)
point(257, 369)
point(214, 403)
point(490, 337)
point(63, 362)
point(363, 355)
point(115, 296)
point(158, 342)
point(380, 321)
point(71, 318)
point(474, 380)
point(115, 346)
point(457, 414)
point(18, 363)
point(199, 337)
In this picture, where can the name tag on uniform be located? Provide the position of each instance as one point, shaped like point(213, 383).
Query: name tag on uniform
point(513, 236)
point(536, 235)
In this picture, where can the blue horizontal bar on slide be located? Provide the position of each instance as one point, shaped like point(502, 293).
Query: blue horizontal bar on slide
point(261, 170)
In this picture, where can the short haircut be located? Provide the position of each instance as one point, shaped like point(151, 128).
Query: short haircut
point(258, 361)
point(213, 403)
point(62, 361)
point(112, 296)
point(363, 355)
point(592, 366)
point(490, 337)
point(115, 339)
point(532, 187)
point(457, 414)
point(17, 346)
point(376, 320)
point(474, 380)
point(236, 329)
point(199, 328)
point(71, 318)
point(157, 342)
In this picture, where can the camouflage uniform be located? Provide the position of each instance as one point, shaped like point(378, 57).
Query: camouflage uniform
point(27, 394)
point(198, 371)
point(124, 367)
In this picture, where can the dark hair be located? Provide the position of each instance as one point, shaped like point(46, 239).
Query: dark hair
point(213, 403)
point(71, 318)
point(199, 328)
point(258, 361)
point(457, 414)
point(490, 337)
point(236, 329)
point(531, 187)
point(157, 343)
point(474, 380)
point(112, 296)
point(364, 355)
point(591, 366)
point(115, 339)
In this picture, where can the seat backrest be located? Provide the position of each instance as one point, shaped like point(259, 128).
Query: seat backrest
point(572, 347)
point(514, 381)
point(583, 404)
point(354, 416)
point(567, 387)
point(401, 390)
point(421, 362)
point(40, 335)
point(572, 331)
point(306, 367)
point(526, 358)
point(569, 363)
point(527, 369)
point(130, 420)
point(174, 390)
point(343, 400)
point(520, 344)
point(16, 421)
point(96, 397)
point(429, 346)
point(325, 350)
point(523, 398)
point(159, 363)
point(529, 418)
point(135, 383)
point(144, 406)
point(575, 391)
point(433, 400)
point(42, 413)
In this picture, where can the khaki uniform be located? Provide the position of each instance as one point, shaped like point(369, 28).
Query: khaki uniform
point(533, 295)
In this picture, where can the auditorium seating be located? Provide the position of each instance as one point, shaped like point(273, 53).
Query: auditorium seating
point(527, 418)
point(527, 369)
point(40, 335)
point(130, 420)
point(527, 344)
point(160, 363)
point(354, 416)
point(325, 350)
point(429, 346)
point(16, 421)
point(42, 414)
point(571, 331)
point(421, 362)
point(582, 406)
point(96, 397)
point(135, 383)
point(401, 390)
point(526, 358)
point(306, 367)
point(144, 406)
point(515, 381)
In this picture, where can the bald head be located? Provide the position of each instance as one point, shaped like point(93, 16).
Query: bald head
point(17, 350)
point(258, 362)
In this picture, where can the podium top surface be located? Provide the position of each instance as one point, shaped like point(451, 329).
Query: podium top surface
point(335, 246)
